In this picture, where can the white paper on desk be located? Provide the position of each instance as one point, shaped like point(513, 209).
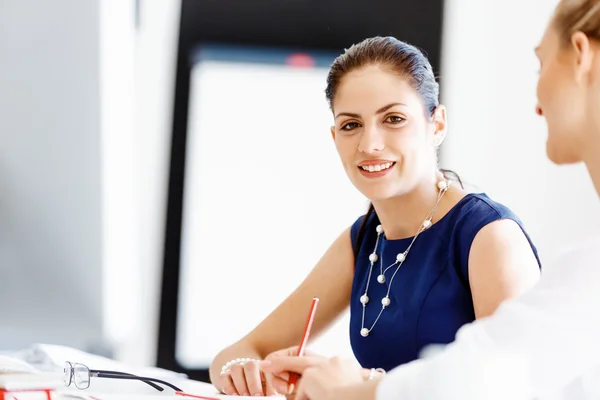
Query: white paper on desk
point(207, 389)
point(50, 357)
point(188, 386)
point(30, 381)
point(13, 364)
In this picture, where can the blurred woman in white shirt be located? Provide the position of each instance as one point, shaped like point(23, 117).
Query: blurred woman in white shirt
point(552, 333)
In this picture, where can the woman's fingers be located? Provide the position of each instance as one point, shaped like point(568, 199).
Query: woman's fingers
point(226, 385)
point(280, 385)
point(295, 364)
point(239, 379)
point(253, 378)
point(269, 388)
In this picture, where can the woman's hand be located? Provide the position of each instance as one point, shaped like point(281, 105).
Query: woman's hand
point(333, 380)
point(280, 376)
point(328, 379)
point(250, 379)
point(245, 379)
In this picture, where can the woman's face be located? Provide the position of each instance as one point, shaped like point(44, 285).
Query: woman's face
point(565, 98)
point(384, 136)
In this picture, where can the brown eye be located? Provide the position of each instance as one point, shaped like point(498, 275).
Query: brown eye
point(349, 126)
point(395, 119)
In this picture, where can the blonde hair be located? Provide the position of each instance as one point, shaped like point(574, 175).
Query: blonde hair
point(578, 16)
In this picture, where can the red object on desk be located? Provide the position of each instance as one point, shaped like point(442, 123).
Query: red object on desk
point(309, 322)
point(6, 394)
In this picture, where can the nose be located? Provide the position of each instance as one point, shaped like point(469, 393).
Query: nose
point(538, 110)
point(371, 140)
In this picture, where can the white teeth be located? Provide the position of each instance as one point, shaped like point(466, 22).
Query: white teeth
point(377, 168)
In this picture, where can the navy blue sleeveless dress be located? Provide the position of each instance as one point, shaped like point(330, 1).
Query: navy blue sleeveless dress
point(430, 294)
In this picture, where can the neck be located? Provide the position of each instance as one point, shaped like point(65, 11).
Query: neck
point(401, 216)
point(592, 163)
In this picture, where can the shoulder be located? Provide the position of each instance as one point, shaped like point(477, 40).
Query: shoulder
point(502, 243)
point(502, 249)
point(476, 211)
point(479, 220)
point(491, 221)
point(480, 205)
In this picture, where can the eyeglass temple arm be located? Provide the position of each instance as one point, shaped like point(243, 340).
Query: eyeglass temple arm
point(124, 375)
point(161, 382)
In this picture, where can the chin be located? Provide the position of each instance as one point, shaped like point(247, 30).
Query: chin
point(374, 197)
point(379, 194)
point(552, 156)
point(560, 155)
point(379, 190)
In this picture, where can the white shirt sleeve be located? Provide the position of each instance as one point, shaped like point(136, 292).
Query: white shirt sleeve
point(547, 338)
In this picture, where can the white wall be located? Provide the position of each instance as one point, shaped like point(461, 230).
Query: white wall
point(70, 233)
point(50, 173)
point(83, 171)
point(495, 139)
point(120, 194)
point(155, 63)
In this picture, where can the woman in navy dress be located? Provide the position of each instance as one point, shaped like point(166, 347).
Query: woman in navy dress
point(426, 259)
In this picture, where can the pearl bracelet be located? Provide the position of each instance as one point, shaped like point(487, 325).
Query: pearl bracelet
point(241, 361)
point(374, 371)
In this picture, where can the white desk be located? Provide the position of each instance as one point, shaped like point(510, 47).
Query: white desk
point(111, 389)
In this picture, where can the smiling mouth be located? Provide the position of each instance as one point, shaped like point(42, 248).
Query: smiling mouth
point(377, 167)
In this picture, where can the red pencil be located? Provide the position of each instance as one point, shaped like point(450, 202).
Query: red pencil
point(309, 322)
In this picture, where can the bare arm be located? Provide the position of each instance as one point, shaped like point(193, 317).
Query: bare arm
point(330, 280)
point(502, 265)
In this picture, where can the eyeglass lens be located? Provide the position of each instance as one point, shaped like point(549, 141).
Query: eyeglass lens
point(81, 376)
point(68, 373)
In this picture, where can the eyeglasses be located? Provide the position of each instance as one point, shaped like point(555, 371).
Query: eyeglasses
point(79, 375)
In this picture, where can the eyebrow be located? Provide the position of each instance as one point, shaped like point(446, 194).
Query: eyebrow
point(381, 110)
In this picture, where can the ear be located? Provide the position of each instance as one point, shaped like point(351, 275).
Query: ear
point(332, 129)
point(584, 55)
point(440, 124)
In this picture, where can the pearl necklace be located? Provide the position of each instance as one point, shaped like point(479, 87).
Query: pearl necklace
point(443, 187)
